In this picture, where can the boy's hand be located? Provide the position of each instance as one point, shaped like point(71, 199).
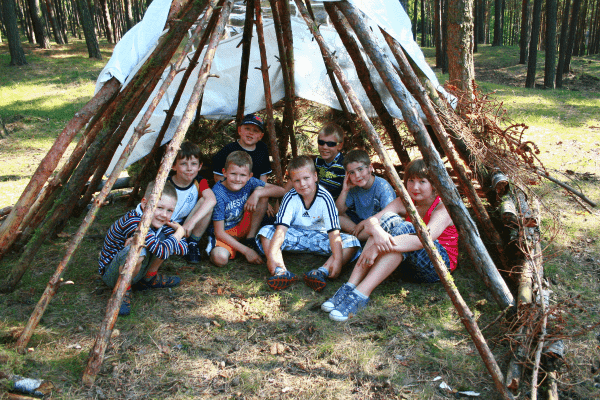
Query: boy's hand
point(368, 256)
point(383, 241)
point(271, 211)
point(252, 201)
point(347, 185)
point(253, 257)
point(333, 266)
point(179, 230)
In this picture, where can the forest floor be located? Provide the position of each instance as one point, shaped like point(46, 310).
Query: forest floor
point(224, 334)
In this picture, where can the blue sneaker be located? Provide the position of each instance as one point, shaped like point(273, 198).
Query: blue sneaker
point(315, 280)
point(337, 298)
point(282, 281)
point(194, 254)
point(348, 308)
point(158, 281)
point(126, 304)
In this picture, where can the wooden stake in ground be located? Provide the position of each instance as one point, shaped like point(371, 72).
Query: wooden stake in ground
point(466, 316)
point(264, 68)
point(246, 47)
point(9, 228)
point(441, 181)
point(97, 352)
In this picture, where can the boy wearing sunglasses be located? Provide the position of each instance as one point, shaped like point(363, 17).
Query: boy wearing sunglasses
point(330, 170)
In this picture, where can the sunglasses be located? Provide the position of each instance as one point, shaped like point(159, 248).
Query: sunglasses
point(328, 144)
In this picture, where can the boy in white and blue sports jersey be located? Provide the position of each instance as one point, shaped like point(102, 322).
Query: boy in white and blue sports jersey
point(307, 222)
point(241, 206)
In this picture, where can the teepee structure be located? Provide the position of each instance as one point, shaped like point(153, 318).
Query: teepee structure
point(369, 69)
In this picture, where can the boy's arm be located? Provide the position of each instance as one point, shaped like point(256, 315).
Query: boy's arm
point(273, 253)
point(217, 178)
point(263, 178)
point(334, 263)
point(268, 190)
point(340, 203)
point(220, 233)
point(173, 244)
point(200, 211)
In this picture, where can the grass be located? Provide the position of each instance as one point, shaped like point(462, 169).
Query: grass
point(224, 334)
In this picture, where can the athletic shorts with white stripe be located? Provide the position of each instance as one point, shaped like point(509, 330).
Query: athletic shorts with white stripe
point(307, 241)
point(416, 265)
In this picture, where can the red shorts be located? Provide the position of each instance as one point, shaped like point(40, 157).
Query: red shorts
point(240, 231)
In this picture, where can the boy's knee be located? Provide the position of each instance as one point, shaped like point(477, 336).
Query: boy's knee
point(219, 256)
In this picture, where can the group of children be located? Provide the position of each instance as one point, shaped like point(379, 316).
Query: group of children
point(329, 206)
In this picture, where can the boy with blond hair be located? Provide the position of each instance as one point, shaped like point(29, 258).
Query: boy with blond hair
point(241, 206)
point(307, 222)
point(195, 199)
point(363, 194)
point(329, 162)
point(164, 238)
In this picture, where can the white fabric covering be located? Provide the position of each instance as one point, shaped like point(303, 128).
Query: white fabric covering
point(220, 94)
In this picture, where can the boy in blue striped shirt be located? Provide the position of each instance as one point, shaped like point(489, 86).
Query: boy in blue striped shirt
point(164, 238)
point(307, 222)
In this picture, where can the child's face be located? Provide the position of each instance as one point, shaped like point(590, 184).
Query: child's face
point(304, 181)
point(360, 174)
point(420, 190)
point(326, 152)
point(164, 210)
point(186, 169)
point(236, 177)
point(250, 134)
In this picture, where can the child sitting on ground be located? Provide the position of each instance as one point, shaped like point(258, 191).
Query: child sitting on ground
point(251, 131)
point(363, 194)
point(307, 222)
point(164, 239)
point(195, 199)
point(241, 206)
point(329, 161)
point(393, 242)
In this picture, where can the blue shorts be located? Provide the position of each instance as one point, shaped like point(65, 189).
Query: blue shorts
point(111, 272)
point(305, 241)
point(416, 265)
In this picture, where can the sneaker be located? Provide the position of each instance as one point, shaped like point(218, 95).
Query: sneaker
point(158, 281)
point(315, 280)
point(126, 303)
point(282, 281)
point(337, 298)
point(194, 255)
point(350, 305)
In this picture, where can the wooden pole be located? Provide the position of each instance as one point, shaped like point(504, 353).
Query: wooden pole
point(206, 25)
point(97, 352)
point(440, 179)
point(267, 88)
point(246, 47)
point(362, 71)
point(567, 187)
point(412, 83)
point(467, 317)
point(9, 228)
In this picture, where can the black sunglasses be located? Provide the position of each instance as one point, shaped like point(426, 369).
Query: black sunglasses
point(328, 144)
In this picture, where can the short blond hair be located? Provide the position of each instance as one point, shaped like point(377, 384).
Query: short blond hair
point(169, 190)
point(239, 158)
point(301, 162)
point(331, 128)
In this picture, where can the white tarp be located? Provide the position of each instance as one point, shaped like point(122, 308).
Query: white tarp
point(221, 93)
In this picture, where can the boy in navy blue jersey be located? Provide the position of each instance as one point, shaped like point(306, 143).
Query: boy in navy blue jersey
point(307, 222)
point(164, 239)
point(241, 206)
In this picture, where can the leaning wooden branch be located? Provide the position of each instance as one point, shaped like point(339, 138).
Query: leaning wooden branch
point(97, 352)
point(567, 187)
point(466, 316)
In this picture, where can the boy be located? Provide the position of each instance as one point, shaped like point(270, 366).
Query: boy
point(195, 199)
point(164, 239)
point(307, 222)
point(363, 194)
point(241, 206)
point(329, 161)
point(251, 132)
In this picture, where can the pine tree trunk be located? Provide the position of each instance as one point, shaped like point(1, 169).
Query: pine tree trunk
point(57, 37)
point(572, 31)
point(578, 46)
point(128, 14)
point(437, 32)
point(17, 56)
point(88, 30)
point(550, 57)
point(460, 45)
point(108, 28)
point(524, 40)
point(37, 19)
point(415, 15)
point(498, 22)
point(533, 44)
point(423, 32)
